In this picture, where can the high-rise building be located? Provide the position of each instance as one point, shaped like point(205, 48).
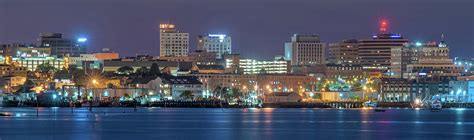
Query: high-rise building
point(215, 43)
point(62, 46)
point(305, 50)
point(345, 52)
point(172, 41)
point(383, 52)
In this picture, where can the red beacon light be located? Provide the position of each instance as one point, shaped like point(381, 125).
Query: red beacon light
point(383, 26)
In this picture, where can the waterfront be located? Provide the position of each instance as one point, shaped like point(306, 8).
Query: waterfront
point(218, 123)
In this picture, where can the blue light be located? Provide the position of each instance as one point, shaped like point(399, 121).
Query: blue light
point(54, 96)
point(81, 39)
point(418, 44)
point(221, 36)
point(217, 35)
point(395, 36)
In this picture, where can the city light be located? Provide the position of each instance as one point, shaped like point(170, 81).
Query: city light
point(81, 40)
point(418, 44)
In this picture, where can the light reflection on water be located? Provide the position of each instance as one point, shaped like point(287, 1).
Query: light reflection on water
point(250, 123)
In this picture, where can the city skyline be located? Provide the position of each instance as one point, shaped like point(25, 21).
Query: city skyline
point(138, 27)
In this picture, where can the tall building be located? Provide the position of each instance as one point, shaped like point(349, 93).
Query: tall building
point(305, 50)
point(62, 46)
point(383, 52)
point(172, 41)
point(345, 52)
point(215, 43)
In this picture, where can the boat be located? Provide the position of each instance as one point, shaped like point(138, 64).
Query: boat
point(435, 105)
point(379, 110)
point(373, 105)
point(5, 114)
point(370, 104)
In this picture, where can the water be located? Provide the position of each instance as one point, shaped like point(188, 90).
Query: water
point(239, 124)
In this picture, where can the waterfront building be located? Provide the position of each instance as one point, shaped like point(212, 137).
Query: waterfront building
point(305, 50)
point(172, 41)
point(62, 46)
point(432, 68)
point(220, 44)
point(405, 90)
point(260, 83)
point(170, 87)
point(10, 84)
point(431, 87)
point(396, 90)
point(459, 91)
point(282, 97)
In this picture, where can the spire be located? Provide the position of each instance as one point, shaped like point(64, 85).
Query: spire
point(442, 44)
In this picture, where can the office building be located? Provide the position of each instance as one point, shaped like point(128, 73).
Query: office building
point(215, 43)
point(62, 46)
point(172, 41)
point(31, 63)
point(305, 50)
point(252, 66)
point(376, 53)
point(345, 52)
point(433, 68)
point(20, 50)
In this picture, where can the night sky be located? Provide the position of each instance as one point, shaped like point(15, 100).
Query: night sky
point(258, 29)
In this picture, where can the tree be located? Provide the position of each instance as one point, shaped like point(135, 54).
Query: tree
point(236, 93)
point(154, 70)
point(262, 71)
point(143, 71)
point(125, 70)
point(187, 94)
point(45, 68)
point(110, 85)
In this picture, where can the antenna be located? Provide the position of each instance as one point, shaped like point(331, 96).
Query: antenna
point(383, 26)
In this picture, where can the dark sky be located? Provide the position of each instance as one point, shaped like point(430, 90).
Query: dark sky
point(259, 28)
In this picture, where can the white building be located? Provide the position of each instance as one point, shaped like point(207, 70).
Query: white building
point(170, 87)
point(459, 91)
point(252, 66)
point(30, 63)
point(305, 50)
point(172, 41)
point(215, 43)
